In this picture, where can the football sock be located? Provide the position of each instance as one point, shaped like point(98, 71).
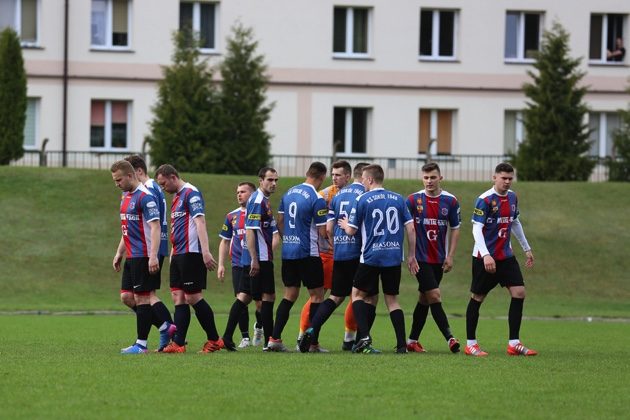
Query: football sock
point(472, 318)
point(305, 316)
point(398, 321)
point(513, 342)
point(326, 308)
point(371, 310)
point(144, 315)
point(266, 314)
point(314, 307)
point(351, 324)
point(471, 342)
point(234, 317)
point(182, 320)
point(142, 343)
point(161, 314)
point(419, 319)
point(258, 320)
point(360, 309)
point(243, 323)
point(515, 315)
point(439, 316)
point(282, 316)
point(205, 316)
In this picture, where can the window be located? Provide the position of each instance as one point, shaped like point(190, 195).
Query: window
point(109, 128)
point(437, 34)
point(603, 125)
point(22, 16)
point(110, 24)
point(522, 35)
point(30, 127)
point(350, 130)
point(605, 32)
point(351, 37)
point(513, 131)
point(435, 131)
point(201, 18)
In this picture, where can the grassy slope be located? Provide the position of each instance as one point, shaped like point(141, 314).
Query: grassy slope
point(60, 230)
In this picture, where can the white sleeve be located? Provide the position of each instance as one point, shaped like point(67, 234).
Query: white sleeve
point(517, 230)
point(480, 241)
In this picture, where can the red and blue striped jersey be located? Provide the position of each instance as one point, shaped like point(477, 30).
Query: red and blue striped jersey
point(496, 213)
point(233, 230)
point(137, 209)
point(259, 218)
point(159, 197)
point(432, 217)
point(187, 204)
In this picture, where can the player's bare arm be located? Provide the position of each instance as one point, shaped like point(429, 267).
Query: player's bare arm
point(154, 263)
point(412, 263)
point(119, 254)
point(224, 247)
point(452, 240)
point(208, 259)
point(275, 240)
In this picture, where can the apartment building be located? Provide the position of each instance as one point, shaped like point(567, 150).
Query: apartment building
point(362, 78)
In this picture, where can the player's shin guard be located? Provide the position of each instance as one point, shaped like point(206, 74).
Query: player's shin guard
point(182, 320)
point(282, 316)
point(439, 316)
point(398, 321)
point(144, 315)
point(419, 319)
point(515, 315)
point(472, 318)
point(236, 312)
point(205, 316)
point(266, 315)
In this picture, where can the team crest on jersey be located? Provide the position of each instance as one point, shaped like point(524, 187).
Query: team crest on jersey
point(493, 203)
point(233, 220)
point(495, 209)
point(513, 207)
point(444, 211)
point(419, 208)
point(132, 205)
point(179, 204)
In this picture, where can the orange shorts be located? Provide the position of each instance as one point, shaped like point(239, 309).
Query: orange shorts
point(327, 263)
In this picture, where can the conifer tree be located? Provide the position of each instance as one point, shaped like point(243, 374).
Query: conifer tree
point(12, 97)
point(244, 111)
point(557, 138)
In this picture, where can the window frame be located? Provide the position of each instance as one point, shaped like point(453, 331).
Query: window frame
point(36, 101)
point(107, 128)
point(17, 24)
point(520, 35)
point(604, 142)
point(348, 131)
point(435, 35)
point(109, 29)
point(603, 59)
point(433, 148)
point(519, 129)
point(349, 53)
point(196, 23)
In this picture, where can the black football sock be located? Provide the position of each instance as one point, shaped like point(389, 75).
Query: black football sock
point(266, 315)
point(258, 320)
point(439, 316)
point(205, 316)
point(312, 311)
point(182, 320)
point(360, 309)
point(419, 319)
point(326, 308)
point(282, 316)
point(472, 318)
point(243, 323)
point(233, 319)
point(143, 321)
point(160, 314)
point(515, 315)
point(398, 321)
point(371, 315)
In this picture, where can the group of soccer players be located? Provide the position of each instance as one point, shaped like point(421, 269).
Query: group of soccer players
point(347, 239)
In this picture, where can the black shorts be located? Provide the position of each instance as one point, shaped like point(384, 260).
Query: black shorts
point(429, 276)
point(264, 282)
point(188, 272)
point(308, 271)
point(508, 274)
point(366, 279)
point(136, 276)
point(237, 273)
point(343, 276)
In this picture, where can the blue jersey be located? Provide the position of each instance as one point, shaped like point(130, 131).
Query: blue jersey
point(496, 213)
point(187, 204)
point(303, 210)
point(137, 209)
point(380, 215)
point(259, 218)
point(346, 247)
point(161, 200)
point(233, 230)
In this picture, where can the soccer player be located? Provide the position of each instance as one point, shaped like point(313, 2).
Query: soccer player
point(257, 281)
point(161, 316)
point(434, 211)
point(340, 173)
point(301, 220)
point(140, 225)
point(382, 217)
point(190, 260)
point(347, 250)
point(495, 218)
point(232, 239)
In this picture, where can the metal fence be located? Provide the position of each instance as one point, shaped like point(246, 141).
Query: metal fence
point(453, 167)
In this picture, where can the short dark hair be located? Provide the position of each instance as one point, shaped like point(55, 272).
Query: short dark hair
point(263, 171)
point(137, 162)
point(166, 170)
point(249, 184)
point(124, 166)
point(358, 169)
point(343, 164)
point(430, 167)
point(376, 172)
point(316, 170)
point(504, 167)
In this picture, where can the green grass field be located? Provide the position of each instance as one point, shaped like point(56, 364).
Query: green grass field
point(61, 229)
